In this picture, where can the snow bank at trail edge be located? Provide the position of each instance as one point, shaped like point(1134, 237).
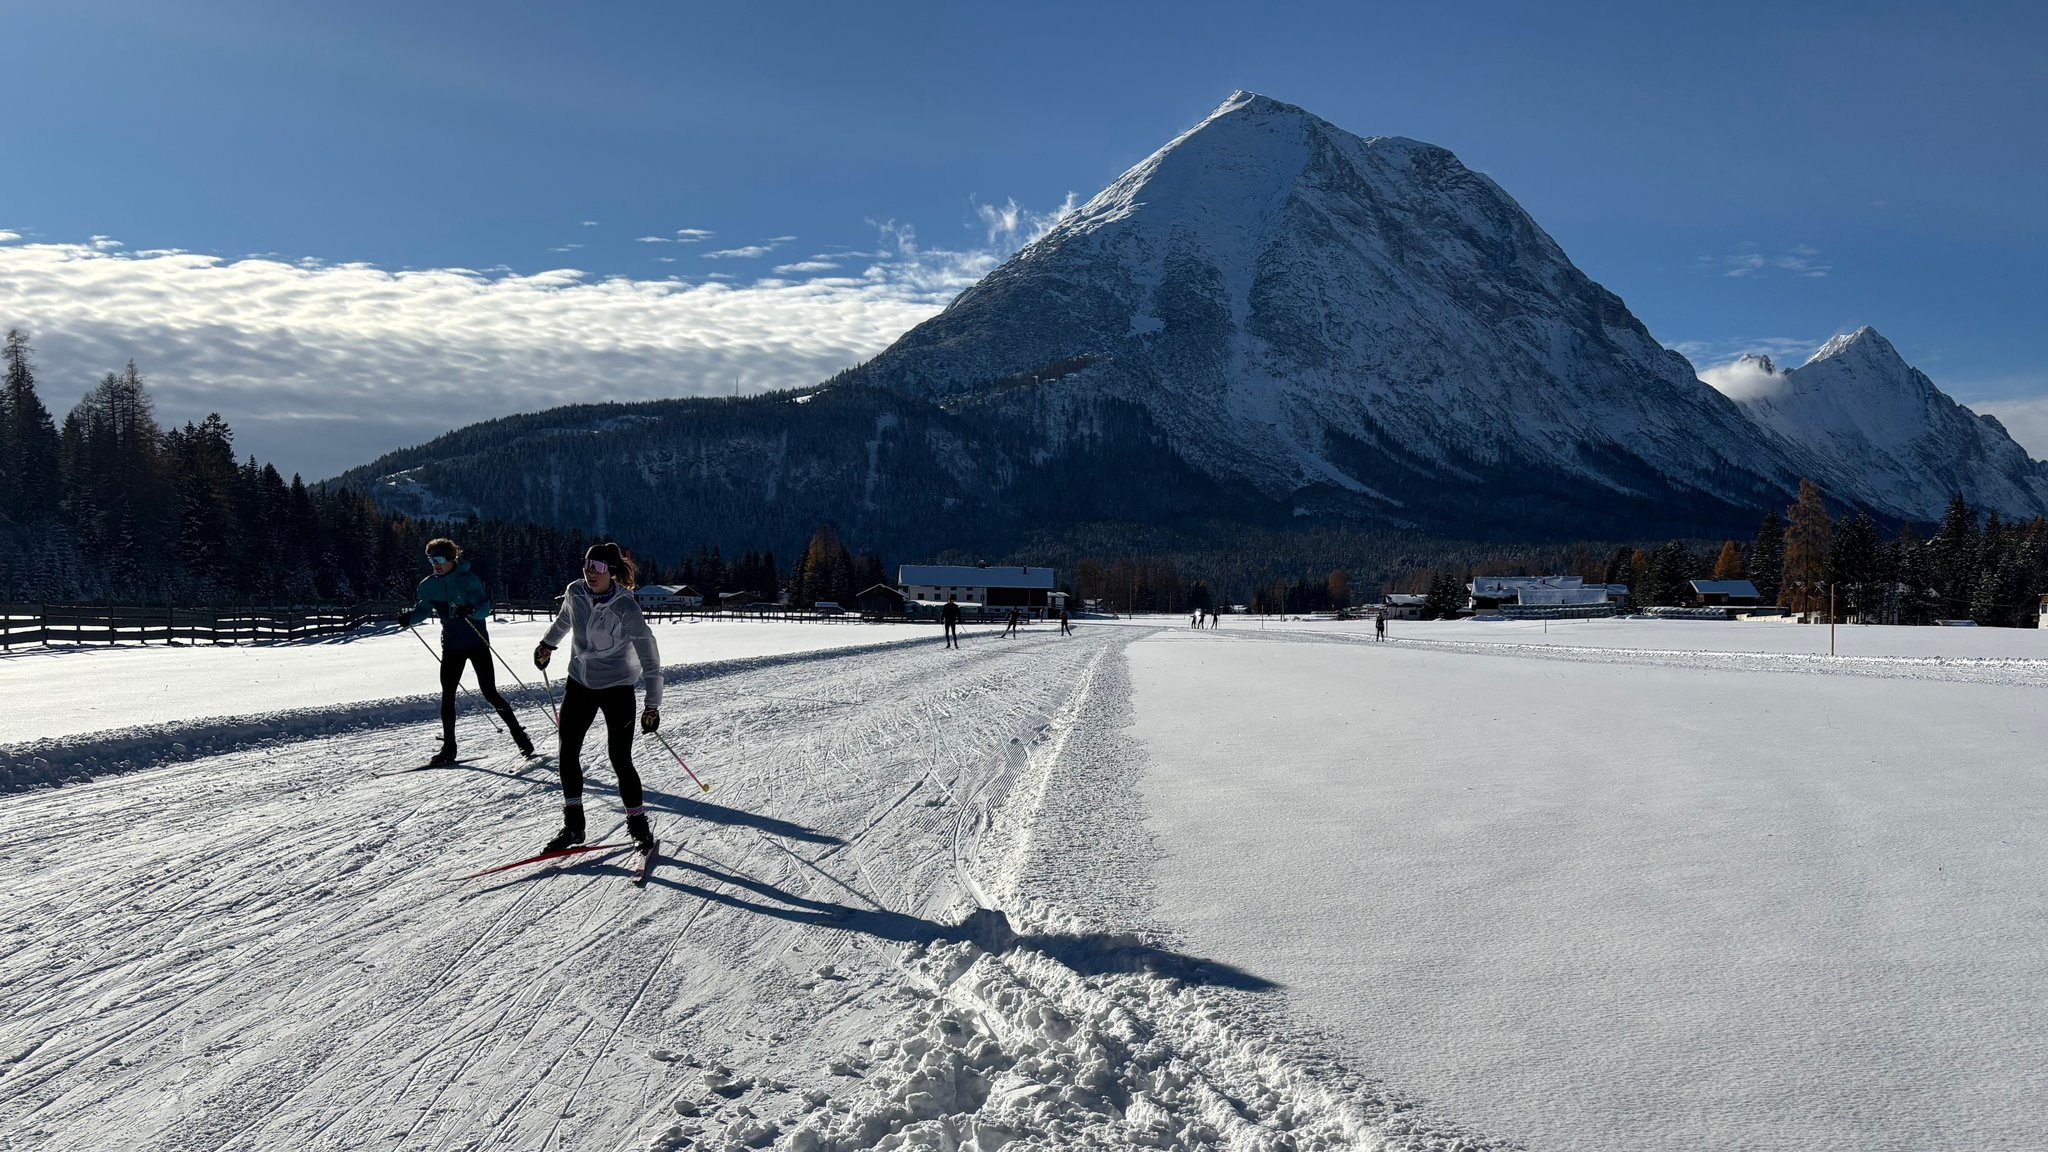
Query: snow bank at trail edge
point(74, 759)
point(1046, 1029)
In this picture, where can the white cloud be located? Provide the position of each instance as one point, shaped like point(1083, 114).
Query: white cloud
point(655, 240)
point(748, 252)
point(590, 223)
point(566, 248)
point(7, 237)
point(1743, 379)
point(104, 243)
point(805, 266)
point(693, 235)
point(1747, 260)
point(321, 366)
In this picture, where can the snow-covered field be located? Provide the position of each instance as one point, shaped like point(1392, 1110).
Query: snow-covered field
point(1140, 888)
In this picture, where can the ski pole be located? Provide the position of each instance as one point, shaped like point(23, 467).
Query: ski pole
point(458, 683)
point(544, 679)
point(508, 667)
point(679, 759)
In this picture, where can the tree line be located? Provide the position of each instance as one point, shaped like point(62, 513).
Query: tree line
point(109, 506)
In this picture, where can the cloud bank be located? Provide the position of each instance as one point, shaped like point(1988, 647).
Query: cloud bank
point(320, 367)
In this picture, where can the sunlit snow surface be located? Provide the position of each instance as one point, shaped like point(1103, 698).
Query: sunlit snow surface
point(1259, 888)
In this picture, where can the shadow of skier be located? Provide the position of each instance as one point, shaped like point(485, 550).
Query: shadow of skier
point(1089, 953)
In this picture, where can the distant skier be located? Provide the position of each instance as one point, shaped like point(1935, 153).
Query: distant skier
point(614, 648)
point(1066, 628)
point(457, 596)
point(949, 616)
point(1015, 618)
point(1379, 626)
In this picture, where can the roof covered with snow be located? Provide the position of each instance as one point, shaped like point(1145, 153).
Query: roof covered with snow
point(1725, 588)
point(973, 576)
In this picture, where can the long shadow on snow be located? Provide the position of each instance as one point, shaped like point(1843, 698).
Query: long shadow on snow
point(1089, 954)
point(720, 814)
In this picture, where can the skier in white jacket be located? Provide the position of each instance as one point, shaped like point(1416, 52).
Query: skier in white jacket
point(614, 648)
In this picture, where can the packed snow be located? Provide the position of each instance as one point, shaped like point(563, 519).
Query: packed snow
point(1145, 887)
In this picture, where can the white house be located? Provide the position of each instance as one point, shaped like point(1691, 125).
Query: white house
point(668, 596)
point(1491, 592)
point(1403, 605)
point(997, 586)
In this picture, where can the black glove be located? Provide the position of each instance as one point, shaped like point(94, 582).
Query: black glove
point(541, 652)
point(404, 619)
point(463, 610)
point(650, 720)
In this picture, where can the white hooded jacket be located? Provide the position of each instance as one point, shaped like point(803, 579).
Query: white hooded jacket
point(614, 646)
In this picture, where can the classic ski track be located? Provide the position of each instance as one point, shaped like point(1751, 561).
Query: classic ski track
point(340, 882)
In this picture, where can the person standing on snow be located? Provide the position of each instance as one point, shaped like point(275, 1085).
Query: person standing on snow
point(614, 648)
point(454, 594)
point(950, 617)
point(1066, 629)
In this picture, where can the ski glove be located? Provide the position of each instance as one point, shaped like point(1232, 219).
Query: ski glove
point(650, 720)
point(404, 619)
point(463, 610)
point(541, 652)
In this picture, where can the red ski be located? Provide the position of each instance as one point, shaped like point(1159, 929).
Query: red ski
point(544, 857)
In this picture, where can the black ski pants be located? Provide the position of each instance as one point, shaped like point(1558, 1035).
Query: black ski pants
point(580, 706)
point(452, 662)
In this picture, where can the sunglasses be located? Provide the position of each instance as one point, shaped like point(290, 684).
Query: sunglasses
point(437, 561)
point(595, 567)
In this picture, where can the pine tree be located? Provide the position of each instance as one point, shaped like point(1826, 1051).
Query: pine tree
point(1953, 553)
point(30, 455)
point(1807, 529)
point(1767, 557)
point(1852, 566)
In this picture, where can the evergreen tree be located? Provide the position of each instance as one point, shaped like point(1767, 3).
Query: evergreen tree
point(29, 451)
point(1953, 553)
point(1852, 567)
point(1767, 557)
point(1918, 601)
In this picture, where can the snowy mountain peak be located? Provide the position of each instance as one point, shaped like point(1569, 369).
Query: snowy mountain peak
point(1870, 427)
point(1865, 344)
point(1758, 363)
point(1334, 319)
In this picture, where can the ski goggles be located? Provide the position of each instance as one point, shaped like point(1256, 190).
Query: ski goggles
point(438, 561)
point(596, 567)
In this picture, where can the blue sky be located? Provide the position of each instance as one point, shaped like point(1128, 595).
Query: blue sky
point(1746, 177)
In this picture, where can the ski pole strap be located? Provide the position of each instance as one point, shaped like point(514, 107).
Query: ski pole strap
point(637, 810)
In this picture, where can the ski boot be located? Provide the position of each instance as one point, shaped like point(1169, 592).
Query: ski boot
point(636, 827)
point(520, 738)
point(445, 756)
point(572, 828)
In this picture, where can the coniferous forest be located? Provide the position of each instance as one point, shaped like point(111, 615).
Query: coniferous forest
point(107, 505)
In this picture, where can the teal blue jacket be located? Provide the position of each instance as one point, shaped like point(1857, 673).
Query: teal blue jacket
point(438, 596)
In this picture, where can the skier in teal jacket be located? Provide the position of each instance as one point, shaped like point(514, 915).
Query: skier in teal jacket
point(457, 596)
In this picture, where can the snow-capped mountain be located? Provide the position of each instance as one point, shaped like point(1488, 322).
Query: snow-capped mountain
point(1269, 321)
point(1341, 322)
point(1872, 429)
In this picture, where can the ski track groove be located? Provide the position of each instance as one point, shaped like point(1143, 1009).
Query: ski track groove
point(235, 944)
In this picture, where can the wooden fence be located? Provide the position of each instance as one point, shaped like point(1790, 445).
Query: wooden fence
point(141, 624)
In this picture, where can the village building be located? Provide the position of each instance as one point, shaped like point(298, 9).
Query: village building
point(1726, 594)
point(979, 588)
point(668, 596)
point(1543, 595)
point(1403, 605)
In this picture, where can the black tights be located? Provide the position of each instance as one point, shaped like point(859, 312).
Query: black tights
point(580, 706)
point(486, 683)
